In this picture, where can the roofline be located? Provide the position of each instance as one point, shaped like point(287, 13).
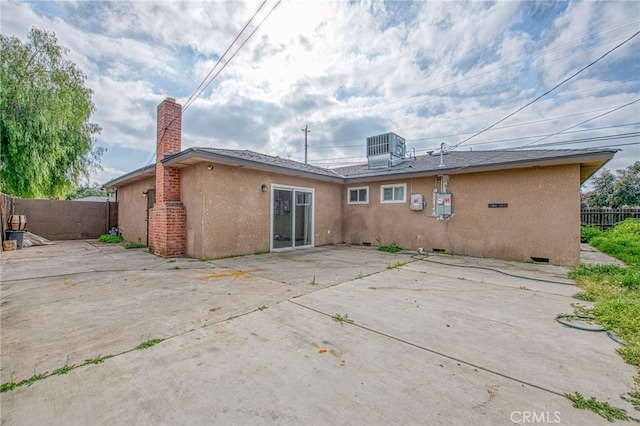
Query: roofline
point(603, 155)
point(139, 174)
point(191, 156)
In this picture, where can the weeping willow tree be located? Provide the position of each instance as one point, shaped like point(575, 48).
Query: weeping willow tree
point(46, 139)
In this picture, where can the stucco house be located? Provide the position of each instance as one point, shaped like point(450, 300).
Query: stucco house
point(205, 202)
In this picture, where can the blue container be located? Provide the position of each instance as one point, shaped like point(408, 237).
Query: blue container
point(15, 235)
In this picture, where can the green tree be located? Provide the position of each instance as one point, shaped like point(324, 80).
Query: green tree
point(621, 189)
point(46, 139)
point(626, 191)
point(88, 191)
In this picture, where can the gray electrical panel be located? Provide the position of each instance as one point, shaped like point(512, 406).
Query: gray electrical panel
point(443, 204)
point(417, 202)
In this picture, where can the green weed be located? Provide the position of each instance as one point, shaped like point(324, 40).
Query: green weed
point(390, 249)
point(5, 387)
point(313, 281)
point(589, 232)
point(64, 369)
point(97, 360)
point(149, 343)
point(135, 246)
point(615, 292)
point(342, 318)
point(111, 239)
point(396, 266)
point(262, 308)
point(601, 408)
point(584, 296)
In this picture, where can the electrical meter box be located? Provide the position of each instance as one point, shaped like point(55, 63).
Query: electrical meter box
point(443, 204)
point(417, 202)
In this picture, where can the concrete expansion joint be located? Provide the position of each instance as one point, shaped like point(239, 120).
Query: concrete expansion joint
point(450, 357)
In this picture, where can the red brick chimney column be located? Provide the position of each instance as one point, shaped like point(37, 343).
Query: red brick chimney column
point(167, 218)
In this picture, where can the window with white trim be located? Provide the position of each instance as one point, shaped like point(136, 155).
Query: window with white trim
point(359, 195)
point(393, 193)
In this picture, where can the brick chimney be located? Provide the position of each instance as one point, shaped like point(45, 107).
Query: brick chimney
point(167, 218)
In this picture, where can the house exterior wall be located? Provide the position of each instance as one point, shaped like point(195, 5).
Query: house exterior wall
point(132, 210)
point(229, 214)
point(542, 219)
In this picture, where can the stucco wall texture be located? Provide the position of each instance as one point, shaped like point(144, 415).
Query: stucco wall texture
point(67, 219)
point(228, 214)
point(132, 210)
point(542, 219)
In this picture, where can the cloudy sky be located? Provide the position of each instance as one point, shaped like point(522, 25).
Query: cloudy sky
point(430, 71)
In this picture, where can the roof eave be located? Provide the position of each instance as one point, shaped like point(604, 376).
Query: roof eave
point(131, 177)
point(192, 156)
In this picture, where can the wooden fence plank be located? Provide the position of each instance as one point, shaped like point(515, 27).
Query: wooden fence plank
point(606, 218)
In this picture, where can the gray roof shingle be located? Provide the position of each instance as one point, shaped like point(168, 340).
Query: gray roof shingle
point(255, 157)
point(457, 161)
point(454, 162)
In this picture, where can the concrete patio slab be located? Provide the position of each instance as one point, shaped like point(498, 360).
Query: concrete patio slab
point(460, 341)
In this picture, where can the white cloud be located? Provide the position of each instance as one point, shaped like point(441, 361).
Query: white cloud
point(431, 71)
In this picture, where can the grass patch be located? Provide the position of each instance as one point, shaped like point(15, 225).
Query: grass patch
point(589, 232)
point(149, 343)
point(584, 296)
point(111, 239)
point(622, 241)
point(601, 408)
point(390, 249)
point(135, 246)
point(313, 281)
point(615, 293)
point(342, 318)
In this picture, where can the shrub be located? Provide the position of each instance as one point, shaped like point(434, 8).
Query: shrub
point(112, 239)
point(588, 232)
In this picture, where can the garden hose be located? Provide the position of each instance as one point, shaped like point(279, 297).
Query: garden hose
point(565, 319)
point(414, 256)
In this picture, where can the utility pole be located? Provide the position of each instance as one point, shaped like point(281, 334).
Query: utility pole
point(305, 130)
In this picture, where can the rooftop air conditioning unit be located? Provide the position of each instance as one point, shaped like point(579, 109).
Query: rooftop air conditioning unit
point(385, 150)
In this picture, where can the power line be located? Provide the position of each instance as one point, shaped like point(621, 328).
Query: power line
point(548, 91)
point(438, 120)
point(193, 96)
point(592, 139)
point(234, 54)
point(581, 123)
point(200, 87)
point(482, 73)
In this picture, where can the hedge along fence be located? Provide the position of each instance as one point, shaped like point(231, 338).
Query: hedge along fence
point(606, 218)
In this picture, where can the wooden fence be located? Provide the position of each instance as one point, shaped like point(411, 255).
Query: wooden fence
point(606, 218)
